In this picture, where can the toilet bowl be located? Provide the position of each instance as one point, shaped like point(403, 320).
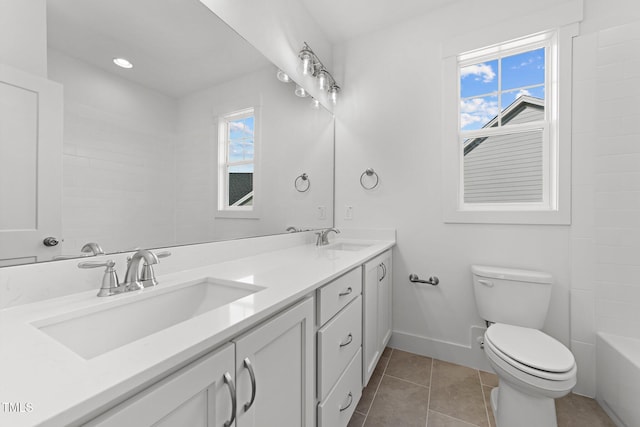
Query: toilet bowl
point(533, 370)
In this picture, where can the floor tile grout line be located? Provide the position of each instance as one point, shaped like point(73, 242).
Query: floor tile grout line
point(484, 399)
point(377, 388)
point(457, 419)
point(406, 381)
point(429, 393)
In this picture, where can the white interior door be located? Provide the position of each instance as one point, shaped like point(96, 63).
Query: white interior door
point(30, 166)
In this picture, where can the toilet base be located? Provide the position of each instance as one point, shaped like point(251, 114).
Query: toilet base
point(511, 407)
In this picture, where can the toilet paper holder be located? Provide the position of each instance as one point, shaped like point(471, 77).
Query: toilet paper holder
point(433, 280)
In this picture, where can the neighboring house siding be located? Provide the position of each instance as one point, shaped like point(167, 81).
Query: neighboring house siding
point(240, 184)
point(506, 168)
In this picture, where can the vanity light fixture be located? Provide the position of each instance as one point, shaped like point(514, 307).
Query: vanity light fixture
point(283, 77)
point(123, 63)
point(312, 66)
point(300, 91)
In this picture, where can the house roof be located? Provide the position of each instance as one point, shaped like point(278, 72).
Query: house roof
point(508, 114)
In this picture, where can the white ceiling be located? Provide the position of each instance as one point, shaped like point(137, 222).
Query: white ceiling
point(345, 19)
point(177, 46)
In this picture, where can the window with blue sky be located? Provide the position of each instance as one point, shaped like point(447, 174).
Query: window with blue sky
point(237, 165)
point(490, 87)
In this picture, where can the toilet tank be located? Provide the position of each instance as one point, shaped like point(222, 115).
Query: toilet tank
point(515, 297)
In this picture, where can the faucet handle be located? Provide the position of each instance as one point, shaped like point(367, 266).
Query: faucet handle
point(95, 264)
point(110, 284)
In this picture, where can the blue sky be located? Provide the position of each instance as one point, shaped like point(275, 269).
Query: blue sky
point(241, 146)
point(521, 74)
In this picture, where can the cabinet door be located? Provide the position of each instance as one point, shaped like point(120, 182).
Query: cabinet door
point(195, 396)
point(275, 371)
point(377, 316)
point(385, 301)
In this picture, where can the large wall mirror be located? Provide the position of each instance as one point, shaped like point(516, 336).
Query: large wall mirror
point(197, 142)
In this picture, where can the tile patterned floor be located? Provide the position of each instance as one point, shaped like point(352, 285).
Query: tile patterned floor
point(408, 390)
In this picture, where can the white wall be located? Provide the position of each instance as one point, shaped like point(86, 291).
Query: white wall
point(293, 138)
point(118, 167)
point(389, 119)
point(23, 35)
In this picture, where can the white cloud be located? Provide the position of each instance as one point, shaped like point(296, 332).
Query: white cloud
point(477, 110)
point(483, 71)
point(522, 92)
point(241, 127)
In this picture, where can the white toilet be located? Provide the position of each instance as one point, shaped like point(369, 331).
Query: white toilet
point(533, 368)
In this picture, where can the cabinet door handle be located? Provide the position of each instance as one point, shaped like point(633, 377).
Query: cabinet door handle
point(232, 391)
point(384, 271)
point(252, 375)
point(347, 341)
point(348, 404)
point(345, 293)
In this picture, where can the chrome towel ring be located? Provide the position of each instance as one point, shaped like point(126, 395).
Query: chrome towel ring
point(370, 173)
point(302, 183)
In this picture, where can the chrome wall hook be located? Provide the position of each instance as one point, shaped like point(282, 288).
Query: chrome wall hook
point(433, 280)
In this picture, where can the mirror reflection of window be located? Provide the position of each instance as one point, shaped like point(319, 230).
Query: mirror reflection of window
point(237, 160)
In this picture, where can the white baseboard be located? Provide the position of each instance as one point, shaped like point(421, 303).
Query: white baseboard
point(472, 356)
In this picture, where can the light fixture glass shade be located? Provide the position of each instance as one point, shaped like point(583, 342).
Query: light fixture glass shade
point(300, 91)
point(283, 77)
point(122, 62)
point(307, 63)
point(333, 93)
point(323, 80)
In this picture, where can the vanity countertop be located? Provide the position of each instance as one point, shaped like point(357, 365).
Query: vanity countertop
point(46, 383)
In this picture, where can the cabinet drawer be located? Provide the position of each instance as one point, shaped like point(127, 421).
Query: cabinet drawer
point(337, 408)
point(337, 294)
point(338, 341)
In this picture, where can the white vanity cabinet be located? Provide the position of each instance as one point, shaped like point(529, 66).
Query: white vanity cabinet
point(196, 395)
point(275, 371)
point(377, 316)
point(269, 371)
point(339, 349)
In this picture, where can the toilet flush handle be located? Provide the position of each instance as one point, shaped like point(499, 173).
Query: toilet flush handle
point(487, 283)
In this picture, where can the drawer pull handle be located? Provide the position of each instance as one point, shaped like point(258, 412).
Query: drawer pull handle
point(487, 283)
point(347, 341)
point(348, 404)
point(247, 364)
point(232, 391)
point(345, 293)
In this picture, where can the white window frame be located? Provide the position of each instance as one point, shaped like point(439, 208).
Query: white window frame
point(223, 209)
point(555, 207)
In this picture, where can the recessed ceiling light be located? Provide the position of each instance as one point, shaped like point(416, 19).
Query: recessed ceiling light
point(121, 62)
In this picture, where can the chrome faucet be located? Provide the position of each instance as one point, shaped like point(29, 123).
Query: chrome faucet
point(323, 236)
point(133, 280)
point(132, 276)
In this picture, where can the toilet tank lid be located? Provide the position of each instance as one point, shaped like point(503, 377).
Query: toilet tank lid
point(512, 274)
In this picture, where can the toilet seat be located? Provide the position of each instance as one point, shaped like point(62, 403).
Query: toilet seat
point(531, 351)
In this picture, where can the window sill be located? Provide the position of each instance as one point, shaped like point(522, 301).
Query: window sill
point(239, 214)
point(508, 217)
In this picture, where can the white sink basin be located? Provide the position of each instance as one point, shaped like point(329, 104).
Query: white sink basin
point(90, 333)
point(348, 246)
